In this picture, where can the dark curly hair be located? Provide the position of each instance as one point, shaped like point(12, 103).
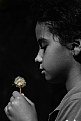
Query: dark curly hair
point(63, 19)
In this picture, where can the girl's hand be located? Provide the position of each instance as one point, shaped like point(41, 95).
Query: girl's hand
point(20, 108)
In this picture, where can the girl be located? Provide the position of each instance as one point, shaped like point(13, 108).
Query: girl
point(58, 33)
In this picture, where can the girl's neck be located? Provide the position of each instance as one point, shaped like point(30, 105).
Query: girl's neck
point(74, 77)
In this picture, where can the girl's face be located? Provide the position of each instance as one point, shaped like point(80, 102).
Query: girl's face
point(53, 57)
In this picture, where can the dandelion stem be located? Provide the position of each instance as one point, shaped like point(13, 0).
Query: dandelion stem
point(20, 90)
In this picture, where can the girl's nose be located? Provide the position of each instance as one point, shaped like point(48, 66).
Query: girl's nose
point(39, 57)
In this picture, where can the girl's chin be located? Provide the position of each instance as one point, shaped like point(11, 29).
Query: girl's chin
point(53, 80)
point(48, 77)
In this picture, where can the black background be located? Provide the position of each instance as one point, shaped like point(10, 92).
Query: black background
point(18, 49)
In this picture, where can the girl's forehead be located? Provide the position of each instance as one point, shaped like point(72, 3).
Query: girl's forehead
point(42, 30)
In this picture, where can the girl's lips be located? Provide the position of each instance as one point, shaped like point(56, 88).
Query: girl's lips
point(42, 69)
point(43, 72)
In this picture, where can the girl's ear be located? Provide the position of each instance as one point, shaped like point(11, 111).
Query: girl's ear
point(76, 47)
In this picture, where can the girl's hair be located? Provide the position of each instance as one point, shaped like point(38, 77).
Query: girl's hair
point(63, 19)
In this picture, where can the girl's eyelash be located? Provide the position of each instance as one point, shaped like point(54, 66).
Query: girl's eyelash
point(44, 47)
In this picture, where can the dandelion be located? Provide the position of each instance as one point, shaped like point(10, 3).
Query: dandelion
point(20, 82)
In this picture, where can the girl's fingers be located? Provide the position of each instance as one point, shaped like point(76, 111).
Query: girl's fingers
point(16, 94)
point(7, 109)
point(12, 99)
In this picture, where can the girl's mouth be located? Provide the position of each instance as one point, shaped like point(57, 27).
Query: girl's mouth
point(43, 72)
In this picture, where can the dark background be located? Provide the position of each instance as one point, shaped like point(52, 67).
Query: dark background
point(18, 48)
